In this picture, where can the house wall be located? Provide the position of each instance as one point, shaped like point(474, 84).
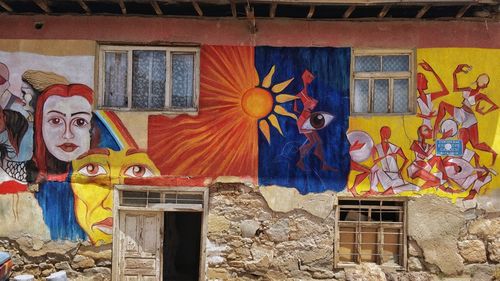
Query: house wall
point(48, 213)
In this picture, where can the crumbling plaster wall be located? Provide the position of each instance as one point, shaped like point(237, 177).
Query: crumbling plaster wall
point(274, 233)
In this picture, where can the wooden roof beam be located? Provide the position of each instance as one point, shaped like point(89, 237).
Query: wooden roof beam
point(422, 11)
point(384, 11)
point(462, 11)
point(233, 9)
point(272, 10)
point(43, 5)
point(310, 14)
point(84, 7)
point(122, 6)
point(198, 9)
point(156, 7)
point(250, 12)
point(6, 6)
point(349, 11)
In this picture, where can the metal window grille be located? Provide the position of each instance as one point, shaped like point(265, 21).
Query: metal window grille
point(371, 231)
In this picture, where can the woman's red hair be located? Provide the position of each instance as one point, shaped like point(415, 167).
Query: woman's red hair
point(72, 90)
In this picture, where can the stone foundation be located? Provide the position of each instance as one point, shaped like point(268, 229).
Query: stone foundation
point(277, 234)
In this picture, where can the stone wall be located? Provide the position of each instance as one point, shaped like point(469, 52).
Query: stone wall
point(273, 233)
point(80, 260)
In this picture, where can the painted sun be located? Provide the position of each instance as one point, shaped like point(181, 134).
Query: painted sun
point(262, 103)
point(235, 106)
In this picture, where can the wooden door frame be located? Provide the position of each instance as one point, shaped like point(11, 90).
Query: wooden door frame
point(115, 270)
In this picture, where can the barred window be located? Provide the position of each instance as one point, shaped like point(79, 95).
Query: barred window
point(371, 230)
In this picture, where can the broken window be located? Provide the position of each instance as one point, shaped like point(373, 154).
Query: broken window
point(371, 230)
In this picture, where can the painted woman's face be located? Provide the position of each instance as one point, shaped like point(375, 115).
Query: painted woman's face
point(66, 126)
point(94, 175)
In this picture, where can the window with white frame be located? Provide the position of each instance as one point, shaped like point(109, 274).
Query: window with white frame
point(381, 81)
point(371, 230)
point(149, 78)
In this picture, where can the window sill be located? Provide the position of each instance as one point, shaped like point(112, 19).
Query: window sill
point(167, 111)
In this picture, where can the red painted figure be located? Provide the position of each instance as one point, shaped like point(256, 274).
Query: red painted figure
point(310, 132)
point(424, 159)
point(464, 115)
point(424, 100)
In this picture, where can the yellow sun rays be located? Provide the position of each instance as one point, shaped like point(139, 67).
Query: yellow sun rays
point(278, 109)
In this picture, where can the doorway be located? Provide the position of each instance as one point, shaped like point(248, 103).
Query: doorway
point(159, 233)
point(181, 246)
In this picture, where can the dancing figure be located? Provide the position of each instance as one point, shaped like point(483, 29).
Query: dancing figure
point(386, 170)
point(309, 122)
point(424, 100)
point(464, 115)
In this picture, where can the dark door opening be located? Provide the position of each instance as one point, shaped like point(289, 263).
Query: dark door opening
point(181, 246)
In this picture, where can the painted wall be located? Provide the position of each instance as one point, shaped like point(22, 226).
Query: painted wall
point(456, 100)
point(268, 115)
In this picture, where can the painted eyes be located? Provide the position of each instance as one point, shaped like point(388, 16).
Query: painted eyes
point(92, 170)
point(80, 122)
point(317, 121)
point(138, 171)
point(55, 121)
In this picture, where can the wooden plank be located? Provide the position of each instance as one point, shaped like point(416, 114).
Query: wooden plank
point(156, 7)
point(272, 9)
point(371, 224)
point(84, 7)
point(384, 11)
point(197, 8)
point(462, 11)
point(422, 11)
point(6, 6)
point(310, 14)
point(349, 11)
point(122, 6)
point(44, 5)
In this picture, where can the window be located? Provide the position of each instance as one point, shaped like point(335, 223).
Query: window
point(381, 82)
point(149, 78)
point(371, 230)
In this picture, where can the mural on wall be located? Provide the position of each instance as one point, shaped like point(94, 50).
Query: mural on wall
point(456, 111)
point(53, 141)
point(268, 114)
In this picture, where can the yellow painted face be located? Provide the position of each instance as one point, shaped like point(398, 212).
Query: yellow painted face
point(94, 175)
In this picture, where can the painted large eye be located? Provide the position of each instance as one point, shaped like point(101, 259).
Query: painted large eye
point(92, 170)
point(138, 171)
point(317, 121)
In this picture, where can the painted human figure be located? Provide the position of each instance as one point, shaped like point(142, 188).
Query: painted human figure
point(425, 159)
point(424, 100)
point(386, 170)
point(7, 99)
point(62, 128)
point(466, 170)
point(94, 175)
point(464, 115)
point(361, 146)
point(309, 122)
